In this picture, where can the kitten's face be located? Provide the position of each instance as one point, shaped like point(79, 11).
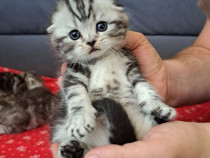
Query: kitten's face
point(83, 30)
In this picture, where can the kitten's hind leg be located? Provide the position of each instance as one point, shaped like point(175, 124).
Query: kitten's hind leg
point(73, 149)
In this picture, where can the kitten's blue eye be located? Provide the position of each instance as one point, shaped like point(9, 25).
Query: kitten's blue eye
point(74, 35)
point(101, 26)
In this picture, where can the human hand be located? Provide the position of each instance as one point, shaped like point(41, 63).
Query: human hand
point(169, 140)
point(151, 65)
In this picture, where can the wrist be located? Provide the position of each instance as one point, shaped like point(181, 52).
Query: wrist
point(172, 81)
point(188, 77)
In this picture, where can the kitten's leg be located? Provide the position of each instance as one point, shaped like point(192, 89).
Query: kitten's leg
point(149, 101)
point(81, 114)
point(73, 147)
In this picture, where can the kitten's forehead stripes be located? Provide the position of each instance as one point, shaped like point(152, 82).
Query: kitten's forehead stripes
point(71, 10)
point(90, 10)
point(80, 6)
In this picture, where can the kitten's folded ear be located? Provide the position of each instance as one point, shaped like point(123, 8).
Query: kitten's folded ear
point(115, 2)
point(50, 29)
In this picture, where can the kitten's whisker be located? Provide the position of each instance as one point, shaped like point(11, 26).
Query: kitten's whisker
point(75, 60)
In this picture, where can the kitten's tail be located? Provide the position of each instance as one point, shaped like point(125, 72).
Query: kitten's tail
point(122, 131)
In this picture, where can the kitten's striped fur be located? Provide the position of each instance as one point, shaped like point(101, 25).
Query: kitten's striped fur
point(104, 98)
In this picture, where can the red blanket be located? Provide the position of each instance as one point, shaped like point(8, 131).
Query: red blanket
point(35, 143)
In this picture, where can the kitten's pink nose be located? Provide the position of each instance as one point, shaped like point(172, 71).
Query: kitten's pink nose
point(91, 43)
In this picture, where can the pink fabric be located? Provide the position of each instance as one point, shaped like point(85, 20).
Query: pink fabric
point(35, 143)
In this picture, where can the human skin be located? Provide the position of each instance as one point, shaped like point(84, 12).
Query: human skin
point(169, 140)
point(188, 73)
point(183, 79)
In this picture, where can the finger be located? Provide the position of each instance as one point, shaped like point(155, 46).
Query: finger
point(63, 68)
point(54, 149)
point(110, 151)
point(131, 150)
point(140, 149)
point(141, 47)
point(145, 53)
point(148, 58)
point(136, 40)
point(60, 81)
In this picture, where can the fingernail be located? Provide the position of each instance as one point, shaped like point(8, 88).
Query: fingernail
point(93, 156)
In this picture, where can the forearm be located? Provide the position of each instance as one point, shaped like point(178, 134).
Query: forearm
point(188, 77)
point(188, 73)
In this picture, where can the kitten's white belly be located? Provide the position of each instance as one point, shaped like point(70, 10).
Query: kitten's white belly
point(109, 75)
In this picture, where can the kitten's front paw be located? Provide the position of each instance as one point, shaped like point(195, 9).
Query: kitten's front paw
point(82, 124)
point(73, 149)
point(158, 109)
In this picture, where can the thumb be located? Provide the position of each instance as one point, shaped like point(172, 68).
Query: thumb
point(138, 149)
point(145, 53)
point(151, 64)
point(109, 151)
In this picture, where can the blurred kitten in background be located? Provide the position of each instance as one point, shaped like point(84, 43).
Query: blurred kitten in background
point(24, 102)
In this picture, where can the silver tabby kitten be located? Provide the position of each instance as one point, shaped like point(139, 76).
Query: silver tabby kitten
point(104, 98)
point(24, 102)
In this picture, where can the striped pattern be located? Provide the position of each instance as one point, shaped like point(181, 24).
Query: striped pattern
point(81, 10)
point(99, 71)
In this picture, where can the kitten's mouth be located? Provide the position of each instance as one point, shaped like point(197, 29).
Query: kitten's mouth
point(93, 50)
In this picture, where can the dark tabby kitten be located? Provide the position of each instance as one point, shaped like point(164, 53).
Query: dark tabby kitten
point(104, 98)
point(24, 102)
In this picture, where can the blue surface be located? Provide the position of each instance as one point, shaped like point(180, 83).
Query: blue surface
point(162, 17)
point(170, 25)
